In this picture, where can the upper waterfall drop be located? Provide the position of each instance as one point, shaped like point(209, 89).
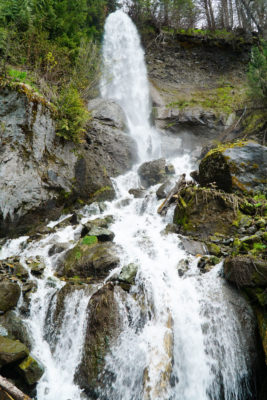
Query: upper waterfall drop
point(124, 79)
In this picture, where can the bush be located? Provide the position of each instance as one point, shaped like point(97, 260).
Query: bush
point(257, 74)
point(72, 115)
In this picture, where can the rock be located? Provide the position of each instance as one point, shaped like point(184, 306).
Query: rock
point(192, 246)
point(40, 174)
point(153, 172)
point(203, 212)
point(103, 328)
point(102, 234)
point(16, 328)
point(97, 223)
point(235, 167)
point(93, 261)
point(182, 266)
point(262, 322)
point(205, 264)
point(9, 295)
point(108, 112)
point(11, 351)
point(57, 248)
point(246, 271)
point(128, 274)
point(164, 190)
point(30, 370)
point(138, 193)
point(36, 266)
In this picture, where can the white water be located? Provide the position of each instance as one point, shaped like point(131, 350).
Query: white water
point(181, 337)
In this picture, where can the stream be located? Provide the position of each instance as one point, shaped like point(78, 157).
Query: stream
point(182, 336)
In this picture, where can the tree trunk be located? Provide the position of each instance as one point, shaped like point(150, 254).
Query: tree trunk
point(12, 390)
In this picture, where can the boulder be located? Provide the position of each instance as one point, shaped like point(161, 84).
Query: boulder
point(103, 328)
point(102, 234)
point(108, 112)
point(9, 295)
point(138, 193)
point(128, 274)
point(93, 261)
point(11, 351)
point(193, 247)
point(30, 370)
point(235, 167)
point(203, 212)
point(15, 328)
point(246, 271)
point(153, 172)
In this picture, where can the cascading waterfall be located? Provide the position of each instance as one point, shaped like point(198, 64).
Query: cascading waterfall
point(181, 338)
point(125, 80)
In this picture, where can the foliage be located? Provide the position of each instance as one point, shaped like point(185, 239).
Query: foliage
point(72, 115)
point(89, 240)
point(257, 74)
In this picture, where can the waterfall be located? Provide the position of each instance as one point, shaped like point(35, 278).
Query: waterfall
point(124, 80)
point(181, 337)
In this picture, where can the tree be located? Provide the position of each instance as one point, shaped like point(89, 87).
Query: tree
point(257, 74)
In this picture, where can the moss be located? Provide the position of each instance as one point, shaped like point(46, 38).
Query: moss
point(262, 322)
point(213, 249)
point(88, 240)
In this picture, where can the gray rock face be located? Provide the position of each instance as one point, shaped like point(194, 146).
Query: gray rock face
point(40, 173)
point(238, 168)
point(153, 172)
point(108, 112)
point(11, 351)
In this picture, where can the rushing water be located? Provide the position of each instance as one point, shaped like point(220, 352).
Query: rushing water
point(181, 337)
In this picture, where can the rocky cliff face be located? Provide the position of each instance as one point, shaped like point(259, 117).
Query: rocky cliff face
point(40, 173)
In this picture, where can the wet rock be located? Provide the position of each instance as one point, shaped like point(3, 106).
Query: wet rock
point(192, 246)
point(164, 190)
point(153, 172)
point(11, 351)
point(102, 234)
point(138, 193)
point(203, 212)
point(90, 260)
point(240, 167)
point(36, 266)
point(16, 328)
point(9, 295)
point(183, 266)
point(128, 273)
point(108, 112)
point(205, 264)
point(103, 328)
point(97, 223)
point(246, 271)
point(30, 370)
point(57, 248)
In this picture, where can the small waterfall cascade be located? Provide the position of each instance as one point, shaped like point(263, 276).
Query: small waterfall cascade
point(125, 80)
point(181, 337)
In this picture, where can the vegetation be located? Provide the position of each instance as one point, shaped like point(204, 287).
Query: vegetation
point(257, 74)
point(53, 46)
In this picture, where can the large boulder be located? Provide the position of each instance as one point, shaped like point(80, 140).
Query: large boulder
point(153, 172)
point(246, 271)
point(11, 351)
point(235, 167)
point(203, 212)
point(103, 328)
point(108, 112)
point(9, 295)
point(89, 259)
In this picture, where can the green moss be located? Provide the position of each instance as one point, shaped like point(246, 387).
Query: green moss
point(78, 255)
point(214, 249)
point(88, 240)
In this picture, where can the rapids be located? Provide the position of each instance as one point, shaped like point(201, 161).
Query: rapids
point(181, 336)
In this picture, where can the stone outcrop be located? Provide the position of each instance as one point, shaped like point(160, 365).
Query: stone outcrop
point(235, 167)
point(153, 172)
point(41, 173)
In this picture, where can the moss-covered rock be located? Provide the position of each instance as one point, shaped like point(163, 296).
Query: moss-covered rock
point(103, 328)
point(246, 271)
point(30, 370)
point(262, 321)
point(9, 295)
point(11, 351)
point(90, 259)
point(237, 166)
point(203, 212)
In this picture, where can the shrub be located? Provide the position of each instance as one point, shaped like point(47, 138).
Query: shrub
point(72, 115)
